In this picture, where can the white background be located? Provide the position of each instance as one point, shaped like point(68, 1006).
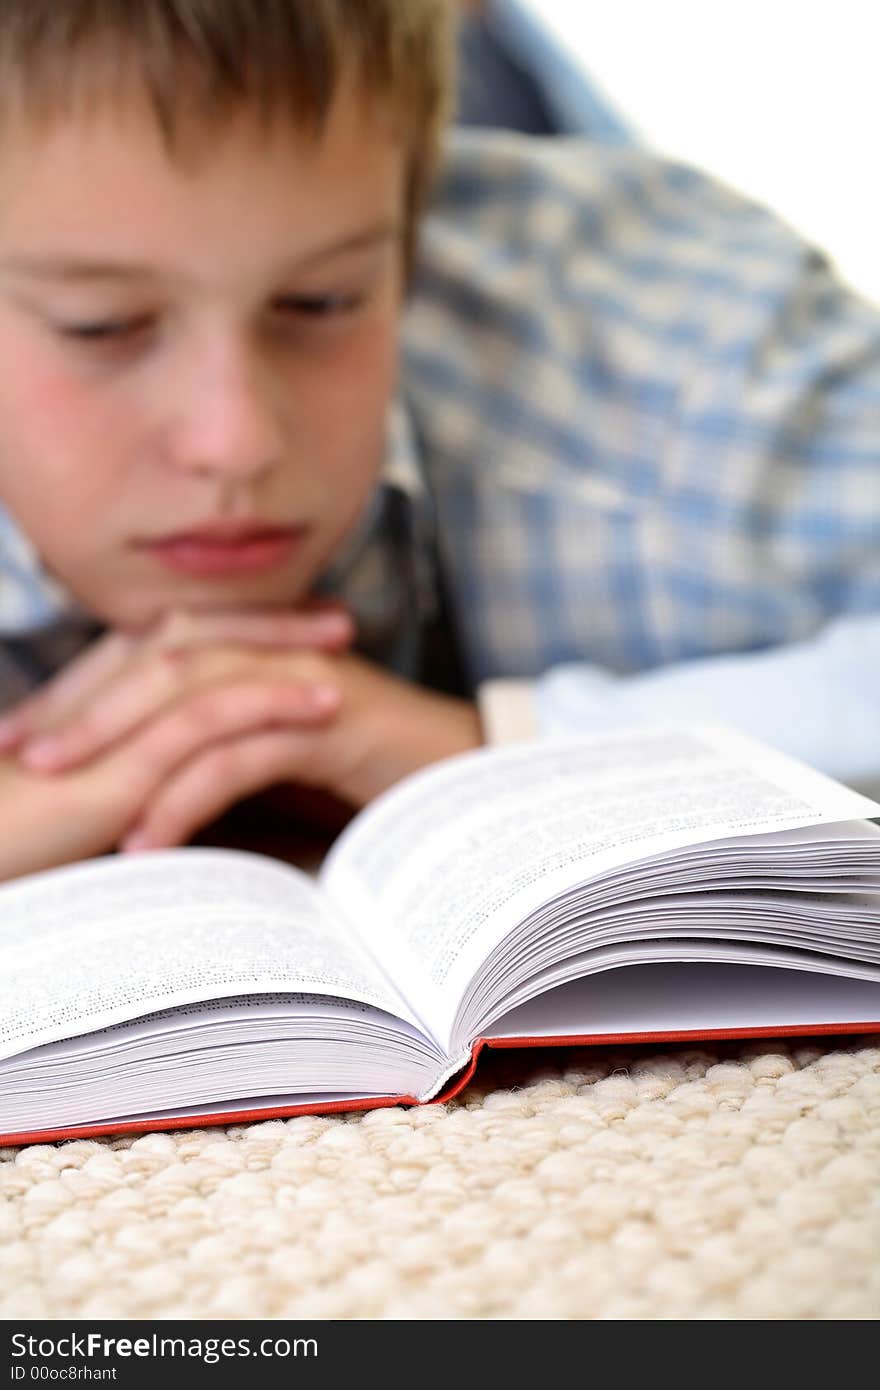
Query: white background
point(778, 98)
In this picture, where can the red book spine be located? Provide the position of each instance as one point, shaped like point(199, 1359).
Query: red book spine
point(453, 1087)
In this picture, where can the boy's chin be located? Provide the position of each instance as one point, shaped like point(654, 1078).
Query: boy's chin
point(135, 603)
point(137, 620)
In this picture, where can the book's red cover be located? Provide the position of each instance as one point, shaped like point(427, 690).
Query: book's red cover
point(453, 1087)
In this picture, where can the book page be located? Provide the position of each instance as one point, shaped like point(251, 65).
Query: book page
point(95, 943)
point(444, 865)
point(216, 1051)
point(691, 997)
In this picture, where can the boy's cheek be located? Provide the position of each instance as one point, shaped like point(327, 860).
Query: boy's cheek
point(56, 451)
point(348, 412)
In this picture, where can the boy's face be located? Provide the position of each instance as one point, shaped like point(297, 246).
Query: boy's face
point(182, 347)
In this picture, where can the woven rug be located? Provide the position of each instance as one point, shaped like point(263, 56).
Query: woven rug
point(736, 1181)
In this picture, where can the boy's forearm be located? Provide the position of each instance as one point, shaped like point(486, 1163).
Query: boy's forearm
point(47, 821)
point(31, 838)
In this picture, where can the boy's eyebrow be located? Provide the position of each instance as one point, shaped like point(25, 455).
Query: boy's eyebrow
point(65, 267)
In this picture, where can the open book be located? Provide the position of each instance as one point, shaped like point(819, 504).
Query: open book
point(657, 884)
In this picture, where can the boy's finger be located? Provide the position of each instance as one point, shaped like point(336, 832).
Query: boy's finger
point(168, 691)
point(178, 719)
point(214, 717)
point(64, 692)
point(320, 624)
point(212, 781)
point(327, 627)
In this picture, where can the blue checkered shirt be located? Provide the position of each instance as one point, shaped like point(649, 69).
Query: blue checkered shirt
point(633, 469)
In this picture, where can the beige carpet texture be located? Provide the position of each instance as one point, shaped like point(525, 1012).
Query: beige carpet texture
point(724, 1181)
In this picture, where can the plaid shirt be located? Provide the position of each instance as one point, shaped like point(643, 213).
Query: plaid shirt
point(633, 470)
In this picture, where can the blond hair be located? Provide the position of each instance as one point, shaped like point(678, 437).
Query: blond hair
point(202, 60)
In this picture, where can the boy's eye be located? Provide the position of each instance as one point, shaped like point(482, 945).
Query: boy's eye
point(319, 305)
point(105, 329)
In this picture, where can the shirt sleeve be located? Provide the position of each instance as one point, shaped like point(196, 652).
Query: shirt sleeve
point(656, 449)
point(818, 700)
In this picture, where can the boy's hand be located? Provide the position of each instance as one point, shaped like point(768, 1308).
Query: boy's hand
point(232, 721)
point(103, 673)
point(87, 811)
point(384, 728)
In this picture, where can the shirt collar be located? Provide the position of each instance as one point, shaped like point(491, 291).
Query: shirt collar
point(31, 598)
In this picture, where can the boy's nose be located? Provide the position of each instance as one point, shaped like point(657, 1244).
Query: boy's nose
point(227, 419)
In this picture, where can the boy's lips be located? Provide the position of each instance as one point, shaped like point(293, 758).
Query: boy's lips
point(226, 548)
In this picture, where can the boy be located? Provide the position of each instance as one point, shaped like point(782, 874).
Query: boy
point(634, 426)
